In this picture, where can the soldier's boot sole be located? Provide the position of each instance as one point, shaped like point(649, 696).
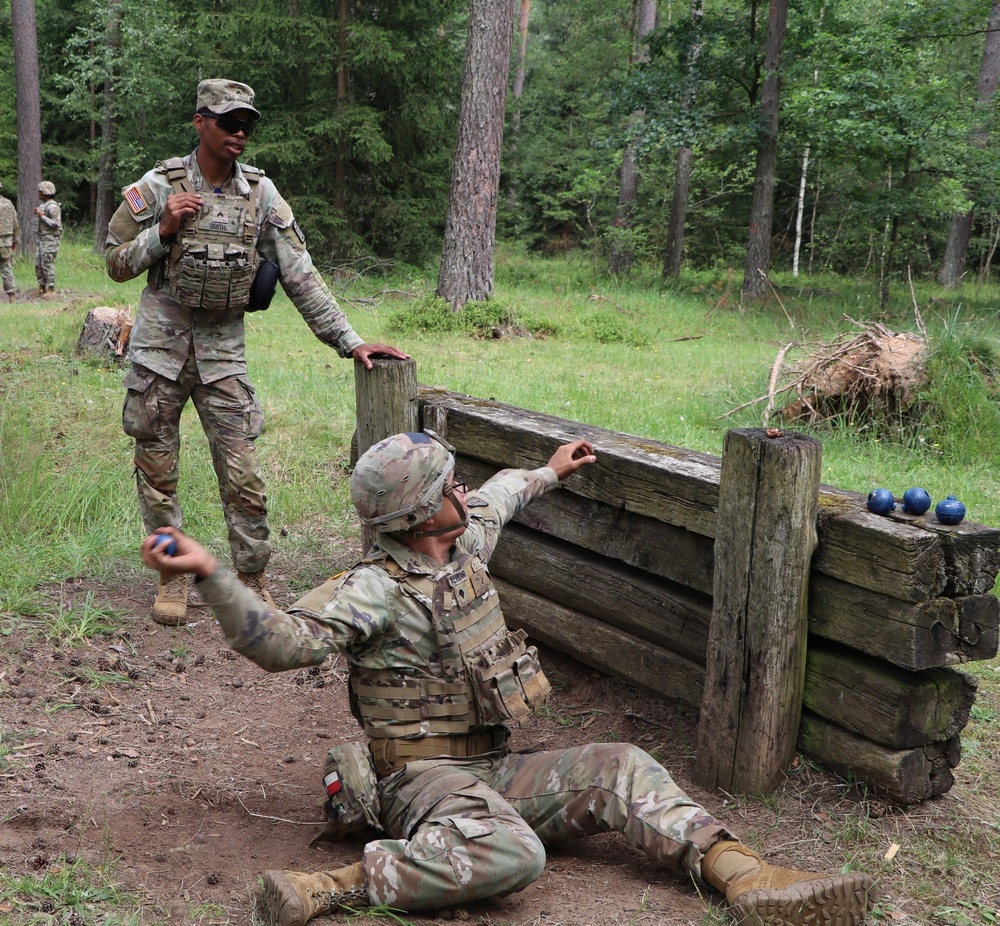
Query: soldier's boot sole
point(170, 606)
point(281, 904)
point(842, 900)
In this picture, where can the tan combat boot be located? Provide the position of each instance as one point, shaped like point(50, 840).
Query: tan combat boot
point(255, 582)
point(170, 607)
point(292, 898)
point(760, 894)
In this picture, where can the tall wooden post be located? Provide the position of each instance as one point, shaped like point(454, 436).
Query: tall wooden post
point(765, 538)
point(385, 403)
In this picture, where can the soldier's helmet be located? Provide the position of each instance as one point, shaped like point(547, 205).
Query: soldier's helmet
point(399, 482)
point(47, 188)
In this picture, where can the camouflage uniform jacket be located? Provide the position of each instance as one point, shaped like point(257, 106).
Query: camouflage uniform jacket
point(165, 332)
point(369, 618)
point(50, 226)
point(10, 227)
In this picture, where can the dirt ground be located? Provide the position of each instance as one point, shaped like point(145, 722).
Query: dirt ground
point(193, 770)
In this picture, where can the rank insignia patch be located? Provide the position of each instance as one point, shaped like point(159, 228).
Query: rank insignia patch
point(133, 196)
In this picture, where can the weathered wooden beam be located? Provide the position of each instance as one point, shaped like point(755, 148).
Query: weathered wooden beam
point(914, 559)
point(906, 776)
point(885, 704)
point(672, 553)
point(914, 635)
point(385, 399)
point(608, 649)
point(755, 670)
point(670, 484)
point(663, 613)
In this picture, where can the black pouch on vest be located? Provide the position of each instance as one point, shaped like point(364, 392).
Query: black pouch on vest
point(263, 286)
point(352, 794)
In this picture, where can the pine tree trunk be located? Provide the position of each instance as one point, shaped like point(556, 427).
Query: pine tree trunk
point(953, 263)
point(470, 227)
point(29, 119)
point(516, 91)
point(623, 252)
point(682, 173)
point(106, 199)
point(758, 262)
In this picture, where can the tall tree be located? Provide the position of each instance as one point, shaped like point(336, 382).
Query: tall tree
point(623, 247)
point(470, 227)
point(682, 169)
point(29, 117)
point(762, 209)
point(107, 189)
point(516, 91)
point(953, 263)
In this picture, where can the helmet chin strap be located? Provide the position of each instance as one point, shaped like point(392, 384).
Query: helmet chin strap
point(463, 521)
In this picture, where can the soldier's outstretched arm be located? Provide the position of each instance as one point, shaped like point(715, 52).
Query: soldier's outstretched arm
point(274, 640)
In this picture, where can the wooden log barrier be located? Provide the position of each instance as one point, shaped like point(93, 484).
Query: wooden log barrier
point(755, 671)
point(617, 568)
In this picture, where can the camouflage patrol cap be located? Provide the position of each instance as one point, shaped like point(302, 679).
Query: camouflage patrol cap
point(223, 96)
point(47, 188)
point(399, 482)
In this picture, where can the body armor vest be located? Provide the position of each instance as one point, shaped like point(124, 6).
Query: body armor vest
point(7, 215)
point(211, 266)
point(489, 676)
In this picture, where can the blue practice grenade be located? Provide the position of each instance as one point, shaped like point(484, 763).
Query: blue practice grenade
point(949, 510)
point(881, 501)
point(916, 501)
point(165, 540)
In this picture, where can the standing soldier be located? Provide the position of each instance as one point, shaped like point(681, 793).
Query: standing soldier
point(435, 680)
point(10, 232)
point(198, 227)
point(50, 231)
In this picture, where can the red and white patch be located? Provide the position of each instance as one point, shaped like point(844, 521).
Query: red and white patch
point(332, 783)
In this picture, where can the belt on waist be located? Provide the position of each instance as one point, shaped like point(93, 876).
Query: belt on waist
point(390, 755)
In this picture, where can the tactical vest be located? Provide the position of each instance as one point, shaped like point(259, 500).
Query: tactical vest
point(211, 266)
point(489, 676)
point(7, 215)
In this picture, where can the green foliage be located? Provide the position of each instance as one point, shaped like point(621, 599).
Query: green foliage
point(960, 409)
point(488, 318)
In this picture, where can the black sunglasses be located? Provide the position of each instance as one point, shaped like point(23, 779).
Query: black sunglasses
point(231, 125)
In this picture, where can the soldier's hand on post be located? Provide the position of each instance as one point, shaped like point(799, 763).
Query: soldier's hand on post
point(178, 206)
point(363, 352)
point(570, 457)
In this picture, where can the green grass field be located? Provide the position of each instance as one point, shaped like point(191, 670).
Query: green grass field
point(666, 363)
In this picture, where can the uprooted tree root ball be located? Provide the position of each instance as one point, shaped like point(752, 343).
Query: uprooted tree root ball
point(876, 374)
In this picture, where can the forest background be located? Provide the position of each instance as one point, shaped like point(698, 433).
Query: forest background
point(883, 150)
point(623, 117)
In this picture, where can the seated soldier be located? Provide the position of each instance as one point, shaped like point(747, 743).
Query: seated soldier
point(435, 679)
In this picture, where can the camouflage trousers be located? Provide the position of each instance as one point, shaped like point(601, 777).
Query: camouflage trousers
point(466, 829)
point(7, 271)
point(45, 265)
point(232, 418)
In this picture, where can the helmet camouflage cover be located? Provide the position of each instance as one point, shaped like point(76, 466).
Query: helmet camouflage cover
point(47, 188)
point(399, 482)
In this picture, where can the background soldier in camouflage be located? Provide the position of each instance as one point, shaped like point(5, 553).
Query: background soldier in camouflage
point(462, 817)
point(10, 233)
point(50, 231)
point(188, 340)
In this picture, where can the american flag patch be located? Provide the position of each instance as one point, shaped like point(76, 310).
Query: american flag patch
point(133, 196)
point(332, 783)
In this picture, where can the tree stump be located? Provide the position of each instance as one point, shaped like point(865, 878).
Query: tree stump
point(754, 678)
point(105, 333)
